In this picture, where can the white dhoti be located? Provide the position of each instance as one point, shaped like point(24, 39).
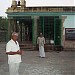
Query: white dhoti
point(13, 68)
point(41, 51)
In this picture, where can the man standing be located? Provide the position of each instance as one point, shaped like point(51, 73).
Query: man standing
point(14, 54)
point(41, 42)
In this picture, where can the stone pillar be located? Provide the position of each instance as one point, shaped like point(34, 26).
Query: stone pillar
point(14, 25)
point(34, 33)
point(9, 28)
point(63, 30)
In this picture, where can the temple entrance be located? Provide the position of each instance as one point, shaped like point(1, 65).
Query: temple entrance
point(50, 26)
point(24, 27)
point(30, 28)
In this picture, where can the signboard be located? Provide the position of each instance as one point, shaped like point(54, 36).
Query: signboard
point(69, 33)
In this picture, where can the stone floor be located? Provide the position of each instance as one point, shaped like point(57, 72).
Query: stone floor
point(62, 63)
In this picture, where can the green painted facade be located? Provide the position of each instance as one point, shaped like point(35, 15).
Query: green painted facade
point(49, 23)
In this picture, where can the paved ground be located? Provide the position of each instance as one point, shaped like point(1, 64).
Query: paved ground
point(62, 63)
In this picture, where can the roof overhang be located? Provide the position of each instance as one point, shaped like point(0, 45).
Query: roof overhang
point(22, 14)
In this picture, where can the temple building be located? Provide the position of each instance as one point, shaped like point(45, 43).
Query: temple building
point(30, 21)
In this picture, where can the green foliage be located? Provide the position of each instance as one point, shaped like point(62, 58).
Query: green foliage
point(3, 23)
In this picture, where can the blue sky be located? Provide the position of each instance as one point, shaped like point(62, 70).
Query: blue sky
point(4, 4)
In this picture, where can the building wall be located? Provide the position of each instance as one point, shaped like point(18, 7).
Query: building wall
point(68, 23)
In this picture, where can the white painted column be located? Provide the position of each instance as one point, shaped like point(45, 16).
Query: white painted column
point(63, 31)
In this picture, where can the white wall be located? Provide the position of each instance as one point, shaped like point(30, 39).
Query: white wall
point(74, 21)
point(69, 21)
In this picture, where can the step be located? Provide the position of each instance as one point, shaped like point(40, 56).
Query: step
point(27, 46)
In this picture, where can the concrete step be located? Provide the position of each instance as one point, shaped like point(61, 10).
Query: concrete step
point(27, 46)
point(69, 49)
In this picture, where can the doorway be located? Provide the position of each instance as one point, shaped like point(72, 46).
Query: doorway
point(24, 27)
point(50, 26)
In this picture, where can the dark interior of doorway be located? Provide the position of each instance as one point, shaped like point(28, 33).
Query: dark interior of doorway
point(47, 25)
point(25, 29)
